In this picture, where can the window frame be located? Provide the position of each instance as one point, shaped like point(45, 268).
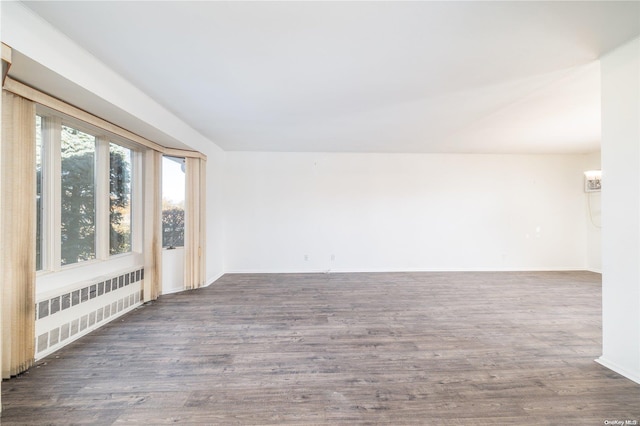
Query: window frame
point(184, 194)
point(51, 248)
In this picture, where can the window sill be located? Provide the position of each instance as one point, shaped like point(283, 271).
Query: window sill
point(71, 276)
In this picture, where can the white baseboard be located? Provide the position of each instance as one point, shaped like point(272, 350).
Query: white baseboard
point(376, 270)
point(633, 376)
point(209, 282)
point(173, 291)
point(214, 279)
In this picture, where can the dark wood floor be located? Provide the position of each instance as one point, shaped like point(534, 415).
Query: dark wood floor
point(388, 348)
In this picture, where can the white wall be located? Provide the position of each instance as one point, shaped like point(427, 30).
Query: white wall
point(29, 34)
point(216, 232)
point(172, 270)
point(397, 212)
point(594, 218)
point(621, 210)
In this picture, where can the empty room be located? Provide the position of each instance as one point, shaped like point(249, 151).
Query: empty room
point(320, 212)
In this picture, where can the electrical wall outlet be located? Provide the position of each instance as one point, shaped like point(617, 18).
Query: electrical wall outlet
point(592, 181)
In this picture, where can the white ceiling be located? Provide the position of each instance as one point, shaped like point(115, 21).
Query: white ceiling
point(485, 77)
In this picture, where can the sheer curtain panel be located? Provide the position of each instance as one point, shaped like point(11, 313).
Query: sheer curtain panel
point(18, 233)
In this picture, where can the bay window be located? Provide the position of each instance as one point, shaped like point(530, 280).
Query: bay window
point(85, 195)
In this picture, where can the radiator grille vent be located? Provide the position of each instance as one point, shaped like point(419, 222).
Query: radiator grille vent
point(64, 318)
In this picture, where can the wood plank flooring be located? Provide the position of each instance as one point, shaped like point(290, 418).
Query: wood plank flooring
point(383, 348)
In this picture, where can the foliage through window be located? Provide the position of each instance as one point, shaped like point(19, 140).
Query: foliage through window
point(119, 199)
point(78, 215)
point(173, 194)
point(89, 212)
point(39, 193)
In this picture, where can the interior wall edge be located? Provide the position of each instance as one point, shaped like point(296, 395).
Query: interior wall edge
point(215, 278)
point(618, 369)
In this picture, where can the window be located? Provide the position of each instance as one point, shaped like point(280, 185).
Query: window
point(119, 199)
point(78, 214)
point(85, 193)
point(173, 194)
point(39, 193)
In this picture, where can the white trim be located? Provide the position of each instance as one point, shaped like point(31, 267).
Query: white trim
point(214, 279)
point(174, 291)
point(101, 198)
point(137, 201)
point(53, 203)
point(618, 369)
point(49, 284)
point(382, 270)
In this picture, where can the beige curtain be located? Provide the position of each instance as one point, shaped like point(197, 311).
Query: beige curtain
point(152, 225)
point(18, 233)
point(194, 227)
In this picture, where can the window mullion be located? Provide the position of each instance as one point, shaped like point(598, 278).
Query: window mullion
point(102, 198)
point(136, 203)
point(52, 184)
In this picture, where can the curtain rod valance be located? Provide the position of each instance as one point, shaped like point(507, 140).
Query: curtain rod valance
point(6, 60)
point(49, 101)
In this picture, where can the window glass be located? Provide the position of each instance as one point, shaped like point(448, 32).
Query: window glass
point(119, 199)
point(173, 193)
point(39, 199)
point(72, 206)
point(77, 196)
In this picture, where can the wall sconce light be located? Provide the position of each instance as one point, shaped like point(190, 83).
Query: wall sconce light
point(592, 180)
